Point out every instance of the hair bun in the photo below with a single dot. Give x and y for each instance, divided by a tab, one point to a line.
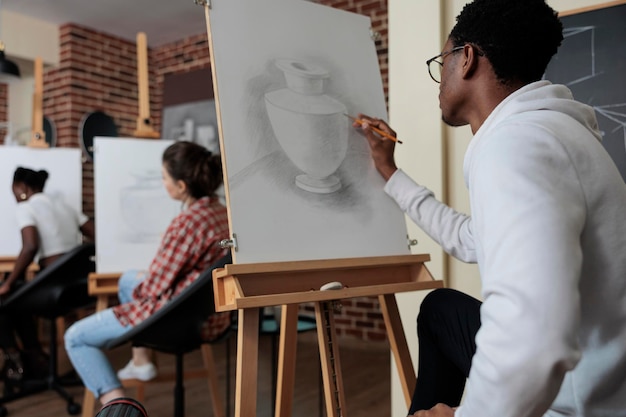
43	174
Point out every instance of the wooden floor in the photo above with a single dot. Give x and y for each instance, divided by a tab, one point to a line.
365	367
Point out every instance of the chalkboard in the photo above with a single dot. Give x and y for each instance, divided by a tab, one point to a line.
592	63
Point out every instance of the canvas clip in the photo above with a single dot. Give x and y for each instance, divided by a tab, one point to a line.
229	243
203	3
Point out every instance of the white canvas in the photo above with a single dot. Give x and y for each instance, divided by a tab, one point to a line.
133	209
65	181
300	180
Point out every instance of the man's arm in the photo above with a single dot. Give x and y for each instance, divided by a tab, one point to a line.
30	246
449	228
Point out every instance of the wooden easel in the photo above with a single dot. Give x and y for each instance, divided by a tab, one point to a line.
144	126
38	136
250	287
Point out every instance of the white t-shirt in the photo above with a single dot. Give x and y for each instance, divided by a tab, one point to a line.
58	224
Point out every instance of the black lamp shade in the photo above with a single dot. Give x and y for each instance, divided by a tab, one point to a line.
8	67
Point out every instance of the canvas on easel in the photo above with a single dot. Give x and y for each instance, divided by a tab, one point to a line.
65	182
132	209
300	181
306	206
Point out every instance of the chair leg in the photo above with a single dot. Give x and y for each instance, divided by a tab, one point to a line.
179	388
214	390
53	377
227	373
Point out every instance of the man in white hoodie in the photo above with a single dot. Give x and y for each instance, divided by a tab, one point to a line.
548	231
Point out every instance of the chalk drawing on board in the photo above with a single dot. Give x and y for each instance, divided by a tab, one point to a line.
611	117
591	62
133	209
587	65
64	168
300	186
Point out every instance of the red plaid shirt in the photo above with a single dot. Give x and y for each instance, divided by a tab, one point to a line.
190	246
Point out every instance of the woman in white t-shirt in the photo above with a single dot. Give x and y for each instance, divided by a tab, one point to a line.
49	228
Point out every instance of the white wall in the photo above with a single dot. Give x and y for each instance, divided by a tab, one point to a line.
432	154
25	39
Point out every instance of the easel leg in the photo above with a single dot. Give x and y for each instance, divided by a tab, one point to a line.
287	360
329	357
214	385
399	346
89	402
247	362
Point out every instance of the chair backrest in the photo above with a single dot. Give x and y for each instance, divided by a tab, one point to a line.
177	326
59	288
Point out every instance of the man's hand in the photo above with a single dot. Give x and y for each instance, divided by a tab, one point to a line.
381	148
440	410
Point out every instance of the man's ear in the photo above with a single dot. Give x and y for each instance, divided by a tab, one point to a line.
470	60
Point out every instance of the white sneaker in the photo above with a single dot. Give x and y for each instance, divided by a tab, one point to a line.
143	372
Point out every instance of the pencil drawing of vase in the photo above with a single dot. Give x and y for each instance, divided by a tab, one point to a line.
144	207
309	125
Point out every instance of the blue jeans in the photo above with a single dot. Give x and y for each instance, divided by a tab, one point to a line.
85	339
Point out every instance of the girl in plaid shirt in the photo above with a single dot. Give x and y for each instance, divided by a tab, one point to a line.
190	246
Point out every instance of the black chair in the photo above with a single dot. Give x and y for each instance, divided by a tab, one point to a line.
177	329
56	291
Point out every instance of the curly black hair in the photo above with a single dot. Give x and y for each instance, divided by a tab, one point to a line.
36	180
518	37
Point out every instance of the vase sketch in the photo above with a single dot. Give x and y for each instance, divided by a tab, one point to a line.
142	207
309	125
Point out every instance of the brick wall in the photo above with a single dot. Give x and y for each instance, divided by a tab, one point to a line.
97	71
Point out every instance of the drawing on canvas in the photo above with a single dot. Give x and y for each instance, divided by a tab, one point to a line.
301	183
133	209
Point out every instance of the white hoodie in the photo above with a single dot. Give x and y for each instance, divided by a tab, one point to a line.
548	231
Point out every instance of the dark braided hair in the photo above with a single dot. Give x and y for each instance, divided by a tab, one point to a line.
35	180
518	37
197	167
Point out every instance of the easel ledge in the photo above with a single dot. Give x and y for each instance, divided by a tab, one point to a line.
264	284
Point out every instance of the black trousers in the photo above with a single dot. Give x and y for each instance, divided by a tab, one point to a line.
21	325
446	327
24	326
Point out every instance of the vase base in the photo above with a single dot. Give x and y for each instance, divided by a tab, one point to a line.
326	185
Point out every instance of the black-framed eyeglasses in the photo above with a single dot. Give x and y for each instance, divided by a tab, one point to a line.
435	67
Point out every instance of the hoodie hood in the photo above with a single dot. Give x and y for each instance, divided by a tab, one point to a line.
537	96
542	95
